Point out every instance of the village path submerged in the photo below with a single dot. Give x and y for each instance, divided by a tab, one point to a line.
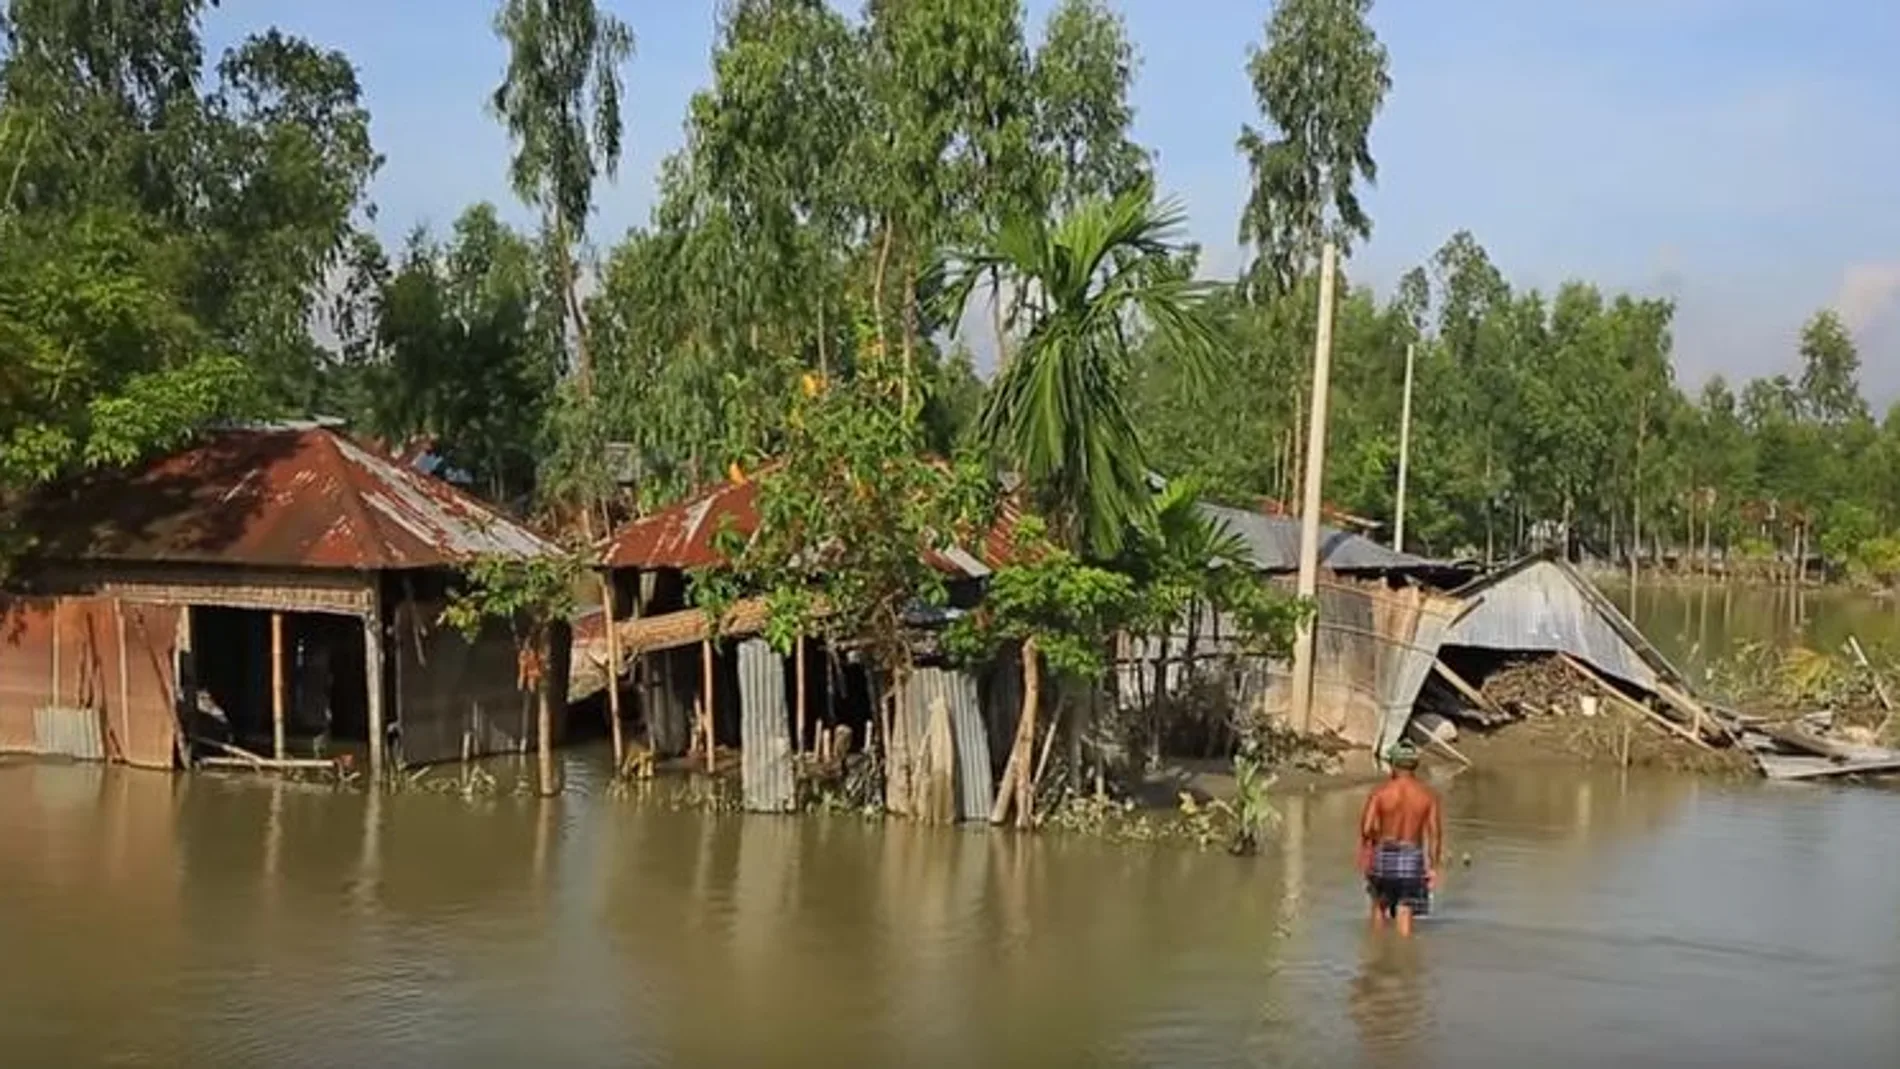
1604	919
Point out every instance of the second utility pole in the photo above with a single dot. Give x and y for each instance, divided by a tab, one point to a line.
1405	452
1310	501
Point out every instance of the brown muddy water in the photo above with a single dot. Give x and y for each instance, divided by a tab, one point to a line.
1695	624
155	921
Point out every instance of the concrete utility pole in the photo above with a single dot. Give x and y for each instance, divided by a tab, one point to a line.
1309	510
1405	453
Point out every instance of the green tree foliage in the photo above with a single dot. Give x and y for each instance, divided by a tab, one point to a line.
165	231
1058	412
461	342
1319	81
560	101
1540	421
1080	77
854	519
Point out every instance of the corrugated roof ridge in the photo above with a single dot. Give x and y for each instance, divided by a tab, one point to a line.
368	530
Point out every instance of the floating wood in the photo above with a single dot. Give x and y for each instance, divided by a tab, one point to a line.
238	757
1783	767
270	764
1626	701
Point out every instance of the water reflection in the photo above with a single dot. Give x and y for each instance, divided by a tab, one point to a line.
1698	625
229	922
1390	1000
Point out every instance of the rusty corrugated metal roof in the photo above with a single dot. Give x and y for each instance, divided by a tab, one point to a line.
682	535
300	496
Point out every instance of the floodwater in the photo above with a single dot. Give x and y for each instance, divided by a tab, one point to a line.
1697	624
153	921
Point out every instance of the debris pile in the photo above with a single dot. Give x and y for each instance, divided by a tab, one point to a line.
1553	706
1539	686
1815	746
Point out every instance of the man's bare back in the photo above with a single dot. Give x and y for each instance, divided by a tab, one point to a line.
1402	810
1401	843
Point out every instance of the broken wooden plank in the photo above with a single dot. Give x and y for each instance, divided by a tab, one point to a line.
1783	767
1412	727
1616	695
1471	693
1794	738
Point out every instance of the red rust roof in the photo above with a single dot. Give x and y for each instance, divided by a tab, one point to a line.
682	536
295	496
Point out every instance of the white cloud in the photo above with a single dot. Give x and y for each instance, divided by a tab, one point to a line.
1868	293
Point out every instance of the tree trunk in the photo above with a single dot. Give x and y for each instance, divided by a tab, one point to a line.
877	285
996	323
910	339
1709	536
1032	698
824	352
1016	773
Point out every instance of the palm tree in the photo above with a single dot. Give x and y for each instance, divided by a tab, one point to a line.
1083	286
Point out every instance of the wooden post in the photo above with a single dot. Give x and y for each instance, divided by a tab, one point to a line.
125	686
613	672
544	715
57	603
706	702
1310	504
1405	452
277	685
373	684
798	740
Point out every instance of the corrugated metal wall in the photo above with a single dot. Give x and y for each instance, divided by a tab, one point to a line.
1370	659
446	686
975	782
65	688
765	731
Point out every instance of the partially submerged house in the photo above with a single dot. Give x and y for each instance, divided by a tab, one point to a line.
1380	615
696	693
1542	605
288	574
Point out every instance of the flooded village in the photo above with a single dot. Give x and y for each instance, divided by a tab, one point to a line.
272	599
940	533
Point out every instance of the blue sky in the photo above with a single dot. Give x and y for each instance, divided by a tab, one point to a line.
1741	156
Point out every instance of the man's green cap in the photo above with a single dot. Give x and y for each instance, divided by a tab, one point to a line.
1402	754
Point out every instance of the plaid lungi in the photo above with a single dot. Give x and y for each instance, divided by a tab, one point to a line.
1397	877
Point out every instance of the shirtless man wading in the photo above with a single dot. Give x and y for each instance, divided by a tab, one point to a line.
1401	842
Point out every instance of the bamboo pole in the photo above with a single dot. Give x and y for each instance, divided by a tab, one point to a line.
1310	505
706	702
798	684
277	685
125	686
613	672
1627	702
